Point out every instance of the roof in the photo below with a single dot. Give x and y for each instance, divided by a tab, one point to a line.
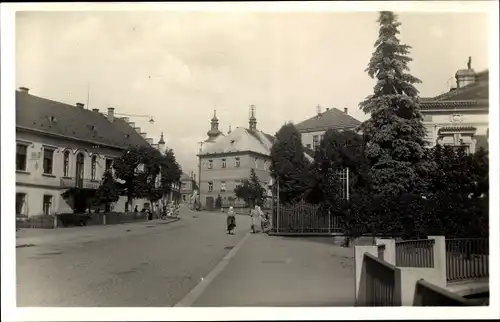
330	119
41	114
185	177
242	139
472	95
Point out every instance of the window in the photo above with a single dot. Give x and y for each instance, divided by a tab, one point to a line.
47	204
223	164
222	186
315	141
237	162
48	159
308	146
20	198
265	165
66	164
21	157
238	183
210	164
109	164
210	186
256	163
94	167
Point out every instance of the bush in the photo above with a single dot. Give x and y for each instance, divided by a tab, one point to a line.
73	219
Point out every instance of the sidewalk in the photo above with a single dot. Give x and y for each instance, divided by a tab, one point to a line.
276	271
34	236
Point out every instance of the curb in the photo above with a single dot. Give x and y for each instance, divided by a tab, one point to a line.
198	290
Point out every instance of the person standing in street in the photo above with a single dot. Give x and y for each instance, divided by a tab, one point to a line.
254	215
231	221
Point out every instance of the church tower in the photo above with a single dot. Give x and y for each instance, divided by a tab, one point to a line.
214	127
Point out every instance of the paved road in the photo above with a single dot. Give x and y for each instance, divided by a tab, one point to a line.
144	265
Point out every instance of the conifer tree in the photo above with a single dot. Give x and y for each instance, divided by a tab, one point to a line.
289	166
394	134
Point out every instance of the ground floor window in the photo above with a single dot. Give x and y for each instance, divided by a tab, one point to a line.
47	204
20	200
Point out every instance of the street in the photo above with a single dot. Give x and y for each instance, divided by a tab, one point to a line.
136	265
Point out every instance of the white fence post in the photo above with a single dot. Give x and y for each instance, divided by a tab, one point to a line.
439	253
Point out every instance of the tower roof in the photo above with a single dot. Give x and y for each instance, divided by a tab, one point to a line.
161	139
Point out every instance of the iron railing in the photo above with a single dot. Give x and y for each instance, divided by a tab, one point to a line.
415	253
381	251
305	218
67	182
380	282
467	258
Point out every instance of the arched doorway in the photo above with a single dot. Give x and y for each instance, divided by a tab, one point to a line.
80	162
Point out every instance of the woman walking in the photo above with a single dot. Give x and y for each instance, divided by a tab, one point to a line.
255	215
231	221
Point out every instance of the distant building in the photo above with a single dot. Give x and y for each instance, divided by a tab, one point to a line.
460	116
313	129
60	146
186	187
227	159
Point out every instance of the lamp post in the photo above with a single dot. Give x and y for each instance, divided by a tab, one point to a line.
199	172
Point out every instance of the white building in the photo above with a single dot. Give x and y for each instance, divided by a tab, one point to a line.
59	146
460	116
313	129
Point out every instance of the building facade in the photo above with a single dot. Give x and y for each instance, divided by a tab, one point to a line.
187	187
60	146
313	129
460	116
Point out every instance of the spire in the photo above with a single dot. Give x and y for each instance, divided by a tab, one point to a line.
252	121
229	131
214	127
161	139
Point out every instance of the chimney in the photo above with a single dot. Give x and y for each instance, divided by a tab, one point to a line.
138	130
111	114
150	141
327	108
80	105
144	135
131	124
95	110
345	110
318	110
24	89
467	76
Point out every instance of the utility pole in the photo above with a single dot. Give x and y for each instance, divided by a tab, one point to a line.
199	171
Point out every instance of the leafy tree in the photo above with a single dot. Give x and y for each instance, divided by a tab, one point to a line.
289	167
170	171
394	133
127	169
251	191
79	199
108	192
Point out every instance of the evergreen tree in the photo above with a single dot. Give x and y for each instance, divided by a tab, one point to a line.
289	167
394	133
108	192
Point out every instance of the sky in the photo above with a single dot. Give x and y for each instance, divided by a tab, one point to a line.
179	66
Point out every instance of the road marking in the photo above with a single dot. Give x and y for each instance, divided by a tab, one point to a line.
196	292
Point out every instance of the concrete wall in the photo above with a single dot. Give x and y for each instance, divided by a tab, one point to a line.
408	276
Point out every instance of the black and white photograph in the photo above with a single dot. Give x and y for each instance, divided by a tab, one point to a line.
249	157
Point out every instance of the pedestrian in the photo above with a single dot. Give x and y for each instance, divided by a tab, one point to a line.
254	215
231	221
136	210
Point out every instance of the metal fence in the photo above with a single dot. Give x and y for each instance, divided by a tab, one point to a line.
467	258
380	282
305	218
415	253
